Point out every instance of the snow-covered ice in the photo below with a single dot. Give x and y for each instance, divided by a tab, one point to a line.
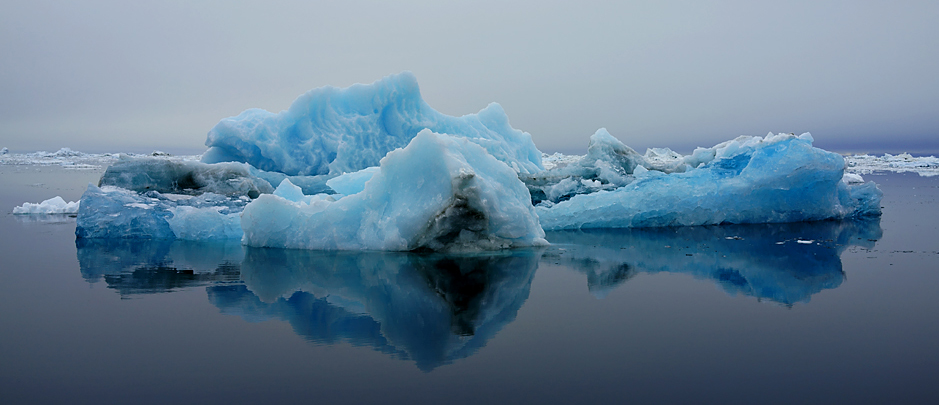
55	205
926	166
72	159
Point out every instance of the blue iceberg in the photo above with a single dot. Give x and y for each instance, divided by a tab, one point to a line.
373	167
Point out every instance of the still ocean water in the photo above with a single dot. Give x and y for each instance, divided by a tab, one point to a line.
792	313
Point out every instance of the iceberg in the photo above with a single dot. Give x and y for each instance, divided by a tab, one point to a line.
54	205
439	193
333	131
373	167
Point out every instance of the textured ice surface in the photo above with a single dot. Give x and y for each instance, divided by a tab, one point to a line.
352	183
184	177
779	178
926	166
332	131
72	159
55	205
113	212
440	192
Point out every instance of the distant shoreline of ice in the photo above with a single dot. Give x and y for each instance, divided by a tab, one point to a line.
926	166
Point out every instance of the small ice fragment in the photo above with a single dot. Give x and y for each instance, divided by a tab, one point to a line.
805	242
55	205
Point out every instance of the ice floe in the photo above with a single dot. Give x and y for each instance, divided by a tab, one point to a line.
54	205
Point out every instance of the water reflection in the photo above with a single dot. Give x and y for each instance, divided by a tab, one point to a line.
785	263
433	308
154	266
429	308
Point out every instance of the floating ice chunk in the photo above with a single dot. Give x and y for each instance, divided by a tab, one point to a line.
440	193
851	178
779	178
54	205
114	212
4	151
165	176
352	183
331	130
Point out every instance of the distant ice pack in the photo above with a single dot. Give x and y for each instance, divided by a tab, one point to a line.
373	167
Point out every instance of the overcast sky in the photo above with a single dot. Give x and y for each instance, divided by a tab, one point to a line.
142	75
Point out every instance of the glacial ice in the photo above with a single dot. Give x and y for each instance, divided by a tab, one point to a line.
114	212
778	178
373	167
333	131
192	178
54	205
438	193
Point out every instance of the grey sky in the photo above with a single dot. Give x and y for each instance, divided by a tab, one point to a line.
117	75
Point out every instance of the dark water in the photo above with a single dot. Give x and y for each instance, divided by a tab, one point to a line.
792	313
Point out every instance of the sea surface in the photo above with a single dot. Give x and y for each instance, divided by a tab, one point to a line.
822	312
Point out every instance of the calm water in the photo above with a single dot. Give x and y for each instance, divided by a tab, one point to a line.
821	312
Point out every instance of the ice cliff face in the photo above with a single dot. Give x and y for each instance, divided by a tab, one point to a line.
438	193
332	131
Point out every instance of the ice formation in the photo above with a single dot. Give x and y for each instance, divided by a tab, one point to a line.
778	178
114	212
334	131
373	167
55	205
192	178
926	166
439	193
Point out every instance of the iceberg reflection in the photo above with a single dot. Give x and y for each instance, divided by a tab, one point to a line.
429	308
785	263
153	266
436	308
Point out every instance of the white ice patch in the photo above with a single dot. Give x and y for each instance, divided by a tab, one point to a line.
54	205
926	166
72	159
